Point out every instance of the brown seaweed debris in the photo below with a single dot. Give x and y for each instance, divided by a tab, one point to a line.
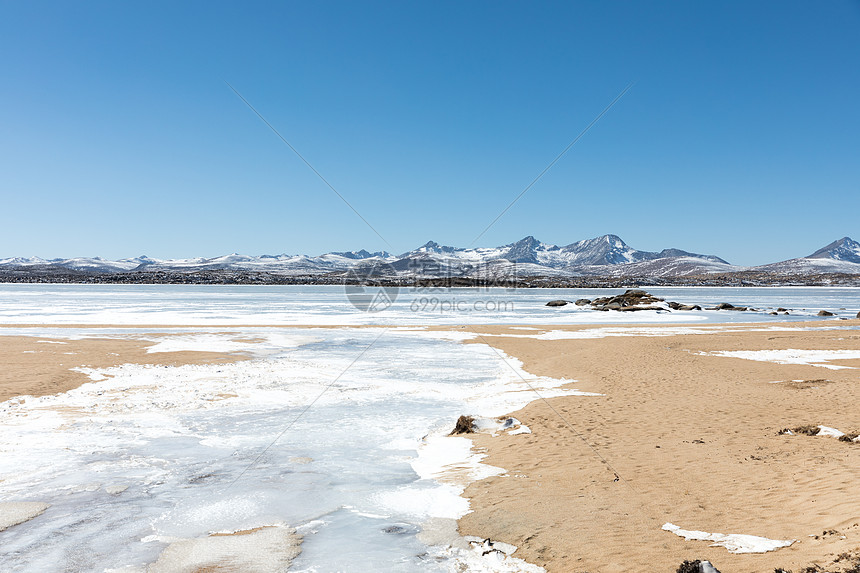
807	384
805	430
846	563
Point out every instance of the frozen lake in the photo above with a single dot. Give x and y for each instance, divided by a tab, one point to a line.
331	305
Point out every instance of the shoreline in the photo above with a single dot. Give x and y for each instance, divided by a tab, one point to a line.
35	358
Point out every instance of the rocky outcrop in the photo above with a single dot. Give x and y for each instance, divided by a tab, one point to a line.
636	299
631	298
630	301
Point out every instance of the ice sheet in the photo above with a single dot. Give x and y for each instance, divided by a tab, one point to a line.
152	452
329	305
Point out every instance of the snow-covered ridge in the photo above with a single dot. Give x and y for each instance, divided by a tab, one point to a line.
607	255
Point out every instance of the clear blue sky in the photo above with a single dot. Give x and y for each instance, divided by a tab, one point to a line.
119	137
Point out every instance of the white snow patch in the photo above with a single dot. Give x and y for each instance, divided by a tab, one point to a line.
229	343
495	425
485	556
791	356
734	542
829	432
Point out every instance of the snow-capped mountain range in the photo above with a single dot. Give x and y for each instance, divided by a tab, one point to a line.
606	255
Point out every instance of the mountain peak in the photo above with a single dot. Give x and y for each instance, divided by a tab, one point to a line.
432	247
523	251
361	254
602	250
613	239
844	249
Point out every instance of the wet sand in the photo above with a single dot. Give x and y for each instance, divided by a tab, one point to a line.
676	437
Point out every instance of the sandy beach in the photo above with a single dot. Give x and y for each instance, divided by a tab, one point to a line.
679	436
38	366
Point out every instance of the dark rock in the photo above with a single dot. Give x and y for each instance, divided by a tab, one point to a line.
582	302
780	309
697	566
740	308
630	298
723	306
825	313
465	425
858	314
679	306
774	313
557	303
399	529
634	308
636	292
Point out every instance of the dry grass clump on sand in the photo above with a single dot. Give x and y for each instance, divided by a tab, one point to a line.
809	430
848	562
807	384
812	430
464	425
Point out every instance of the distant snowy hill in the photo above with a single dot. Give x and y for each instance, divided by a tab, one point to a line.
533	257
842	256
606	255
94	264
845	249
280	264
